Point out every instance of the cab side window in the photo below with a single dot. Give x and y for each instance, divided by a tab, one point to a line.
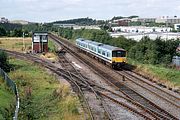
114	54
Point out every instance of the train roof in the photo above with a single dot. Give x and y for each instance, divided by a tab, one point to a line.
105	46
109	47
89	41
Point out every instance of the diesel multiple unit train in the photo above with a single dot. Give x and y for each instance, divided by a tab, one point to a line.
114	56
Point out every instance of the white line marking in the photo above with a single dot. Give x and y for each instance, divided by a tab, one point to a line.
77	65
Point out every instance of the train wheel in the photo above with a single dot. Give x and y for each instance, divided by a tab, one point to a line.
113	66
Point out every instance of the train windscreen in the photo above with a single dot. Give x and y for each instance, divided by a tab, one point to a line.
119	53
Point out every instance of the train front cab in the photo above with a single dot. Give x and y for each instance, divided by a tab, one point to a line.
118	58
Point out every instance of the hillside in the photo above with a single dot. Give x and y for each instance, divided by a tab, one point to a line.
80	21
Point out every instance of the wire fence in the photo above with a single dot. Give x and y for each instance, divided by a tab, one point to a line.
176	60
11	84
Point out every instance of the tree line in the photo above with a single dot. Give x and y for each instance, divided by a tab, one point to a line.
81	21
17	30
156	51
10	30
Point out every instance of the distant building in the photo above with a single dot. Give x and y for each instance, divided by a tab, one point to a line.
141	29
177	26
4	20
87	27
125	21
122	22
176	61
143	20
74	26
168	20
64	25
153	35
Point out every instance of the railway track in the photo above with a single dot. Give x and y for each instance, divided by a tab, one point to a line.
114	80
148	80
72	76
98	90
58	71
81	82
131	76
70	73
129	104
69	69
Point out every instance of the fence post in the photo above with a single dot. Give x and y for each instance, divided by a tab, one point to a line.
10	83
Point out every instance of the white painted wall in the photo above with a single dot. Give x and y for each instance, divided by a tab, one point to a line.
139	36
141	29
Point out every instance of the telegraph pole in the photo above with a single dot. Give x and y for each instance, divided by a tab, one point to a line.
23	42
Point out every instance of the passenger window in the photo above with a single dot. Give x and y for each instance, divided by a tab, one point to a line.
94	49
103	53
99	51
108	55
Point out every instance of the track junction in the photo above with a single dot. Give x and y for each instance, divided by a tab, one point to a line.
122	82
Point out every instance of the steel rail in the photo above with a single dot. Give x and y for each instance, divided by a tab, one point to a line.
67	45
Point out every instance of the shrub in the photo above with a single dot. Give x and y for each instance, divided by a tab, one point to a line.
4	64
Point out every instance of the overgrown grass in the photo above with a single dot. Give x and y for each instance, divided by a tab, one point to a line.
15	44
42	96
51	46
7	101
168	76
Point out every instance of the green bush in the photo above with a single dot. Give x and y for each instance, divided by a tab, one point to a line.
4	64
2	31
154	51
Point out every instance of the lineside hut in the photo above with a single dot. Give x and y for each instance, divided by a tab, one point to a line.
40	42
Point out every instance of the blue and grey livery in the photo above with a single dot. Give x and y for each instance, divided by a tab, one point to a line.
109	54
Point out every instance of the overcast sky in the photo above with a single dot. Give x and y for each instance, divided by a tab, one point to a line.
52	10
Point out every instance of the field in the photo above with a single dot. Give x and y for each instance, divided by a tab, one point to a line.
15	44
7	101
168	76
42	96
